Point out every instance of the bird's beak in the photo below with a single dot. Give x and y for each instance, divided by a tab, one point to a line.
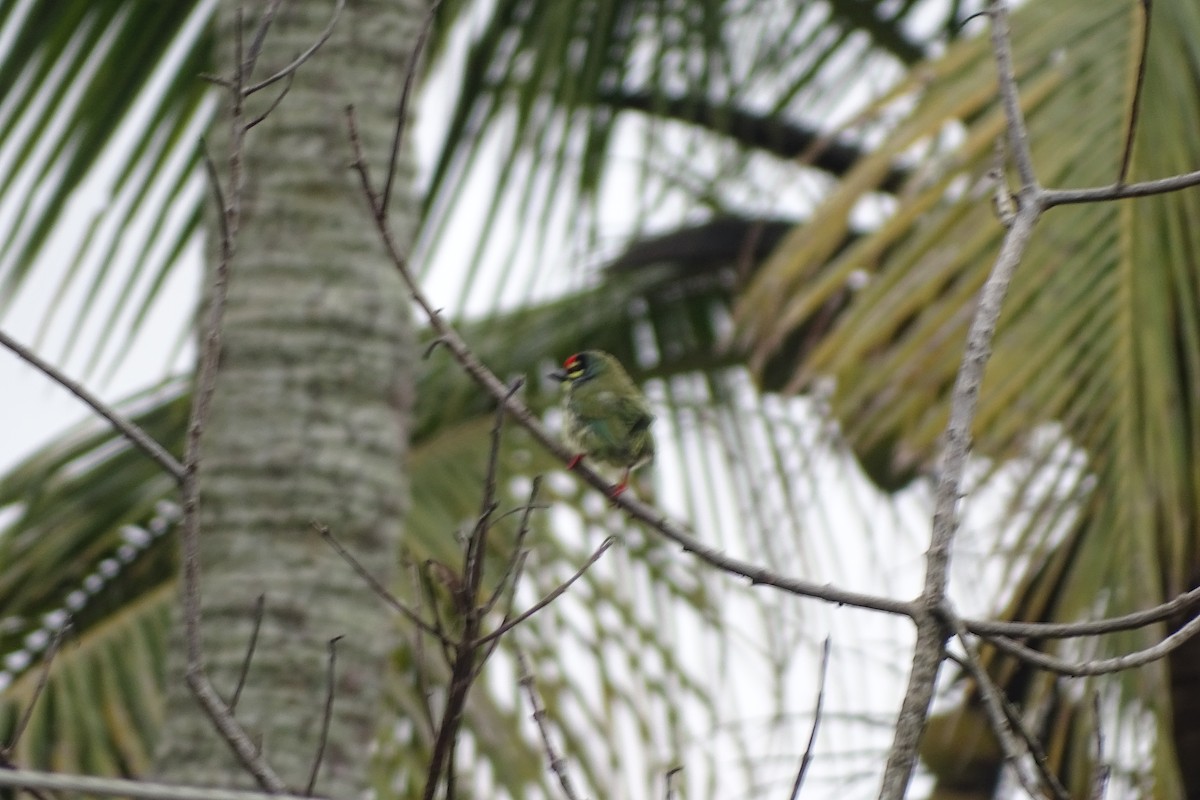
559	375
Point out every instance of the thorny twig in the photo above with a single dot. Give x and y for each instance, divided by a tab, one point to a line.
557	764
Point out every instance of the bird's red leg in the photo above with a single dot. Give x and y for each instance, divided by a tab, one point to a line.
574	462
620	487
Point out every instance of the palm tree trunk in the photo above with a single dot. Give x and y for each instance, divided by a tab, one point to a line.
310	417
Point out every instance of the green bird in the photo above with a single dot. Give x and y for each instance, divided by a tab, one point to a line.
607	417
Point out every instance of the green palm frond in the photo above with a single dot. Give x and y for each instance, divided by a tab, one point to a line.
98	104
688	92
1098	342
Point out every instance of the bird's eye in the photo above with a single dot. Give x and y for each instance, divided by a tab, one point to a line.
574	367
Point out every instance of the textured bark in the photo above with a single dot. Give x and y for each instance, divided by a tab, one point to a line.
310	416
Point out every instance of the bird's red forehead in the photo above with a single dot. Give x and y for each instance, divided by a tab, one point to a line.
571	361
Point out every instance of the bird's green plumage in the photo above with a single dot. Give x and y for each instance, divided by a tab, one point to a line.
607	418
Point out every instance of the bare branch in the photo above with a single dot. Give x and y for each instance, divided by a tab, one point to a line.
556	593
1005	720
298	62
956	442
477	545
462	675
1135	106
259	606
7	763
136	436
1101	666
1018	135
956	445
287	87
233	733
410	74
1063	630
419	663
511	575
260	38
557	763
229	217
669	780
1102	771
1117	191
7	751
378	587
807	758
327	717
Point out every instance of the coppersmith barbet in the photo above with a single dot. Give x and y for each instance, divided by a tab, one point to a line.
606	417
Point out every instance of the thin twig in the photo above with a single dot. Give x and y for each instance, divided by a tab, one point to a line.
410	74
553	595
477	545
1064	630
43	678
327	716
419	658
431	347
511	576
1005	721
377	587
1062	197
136	436
260	605
260	38
462	675
233	733
807	758
1135	107
1000	727
489	648
439	627
557	764
1102	771
1018	134
1101	666
287	87
669	780
303	57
